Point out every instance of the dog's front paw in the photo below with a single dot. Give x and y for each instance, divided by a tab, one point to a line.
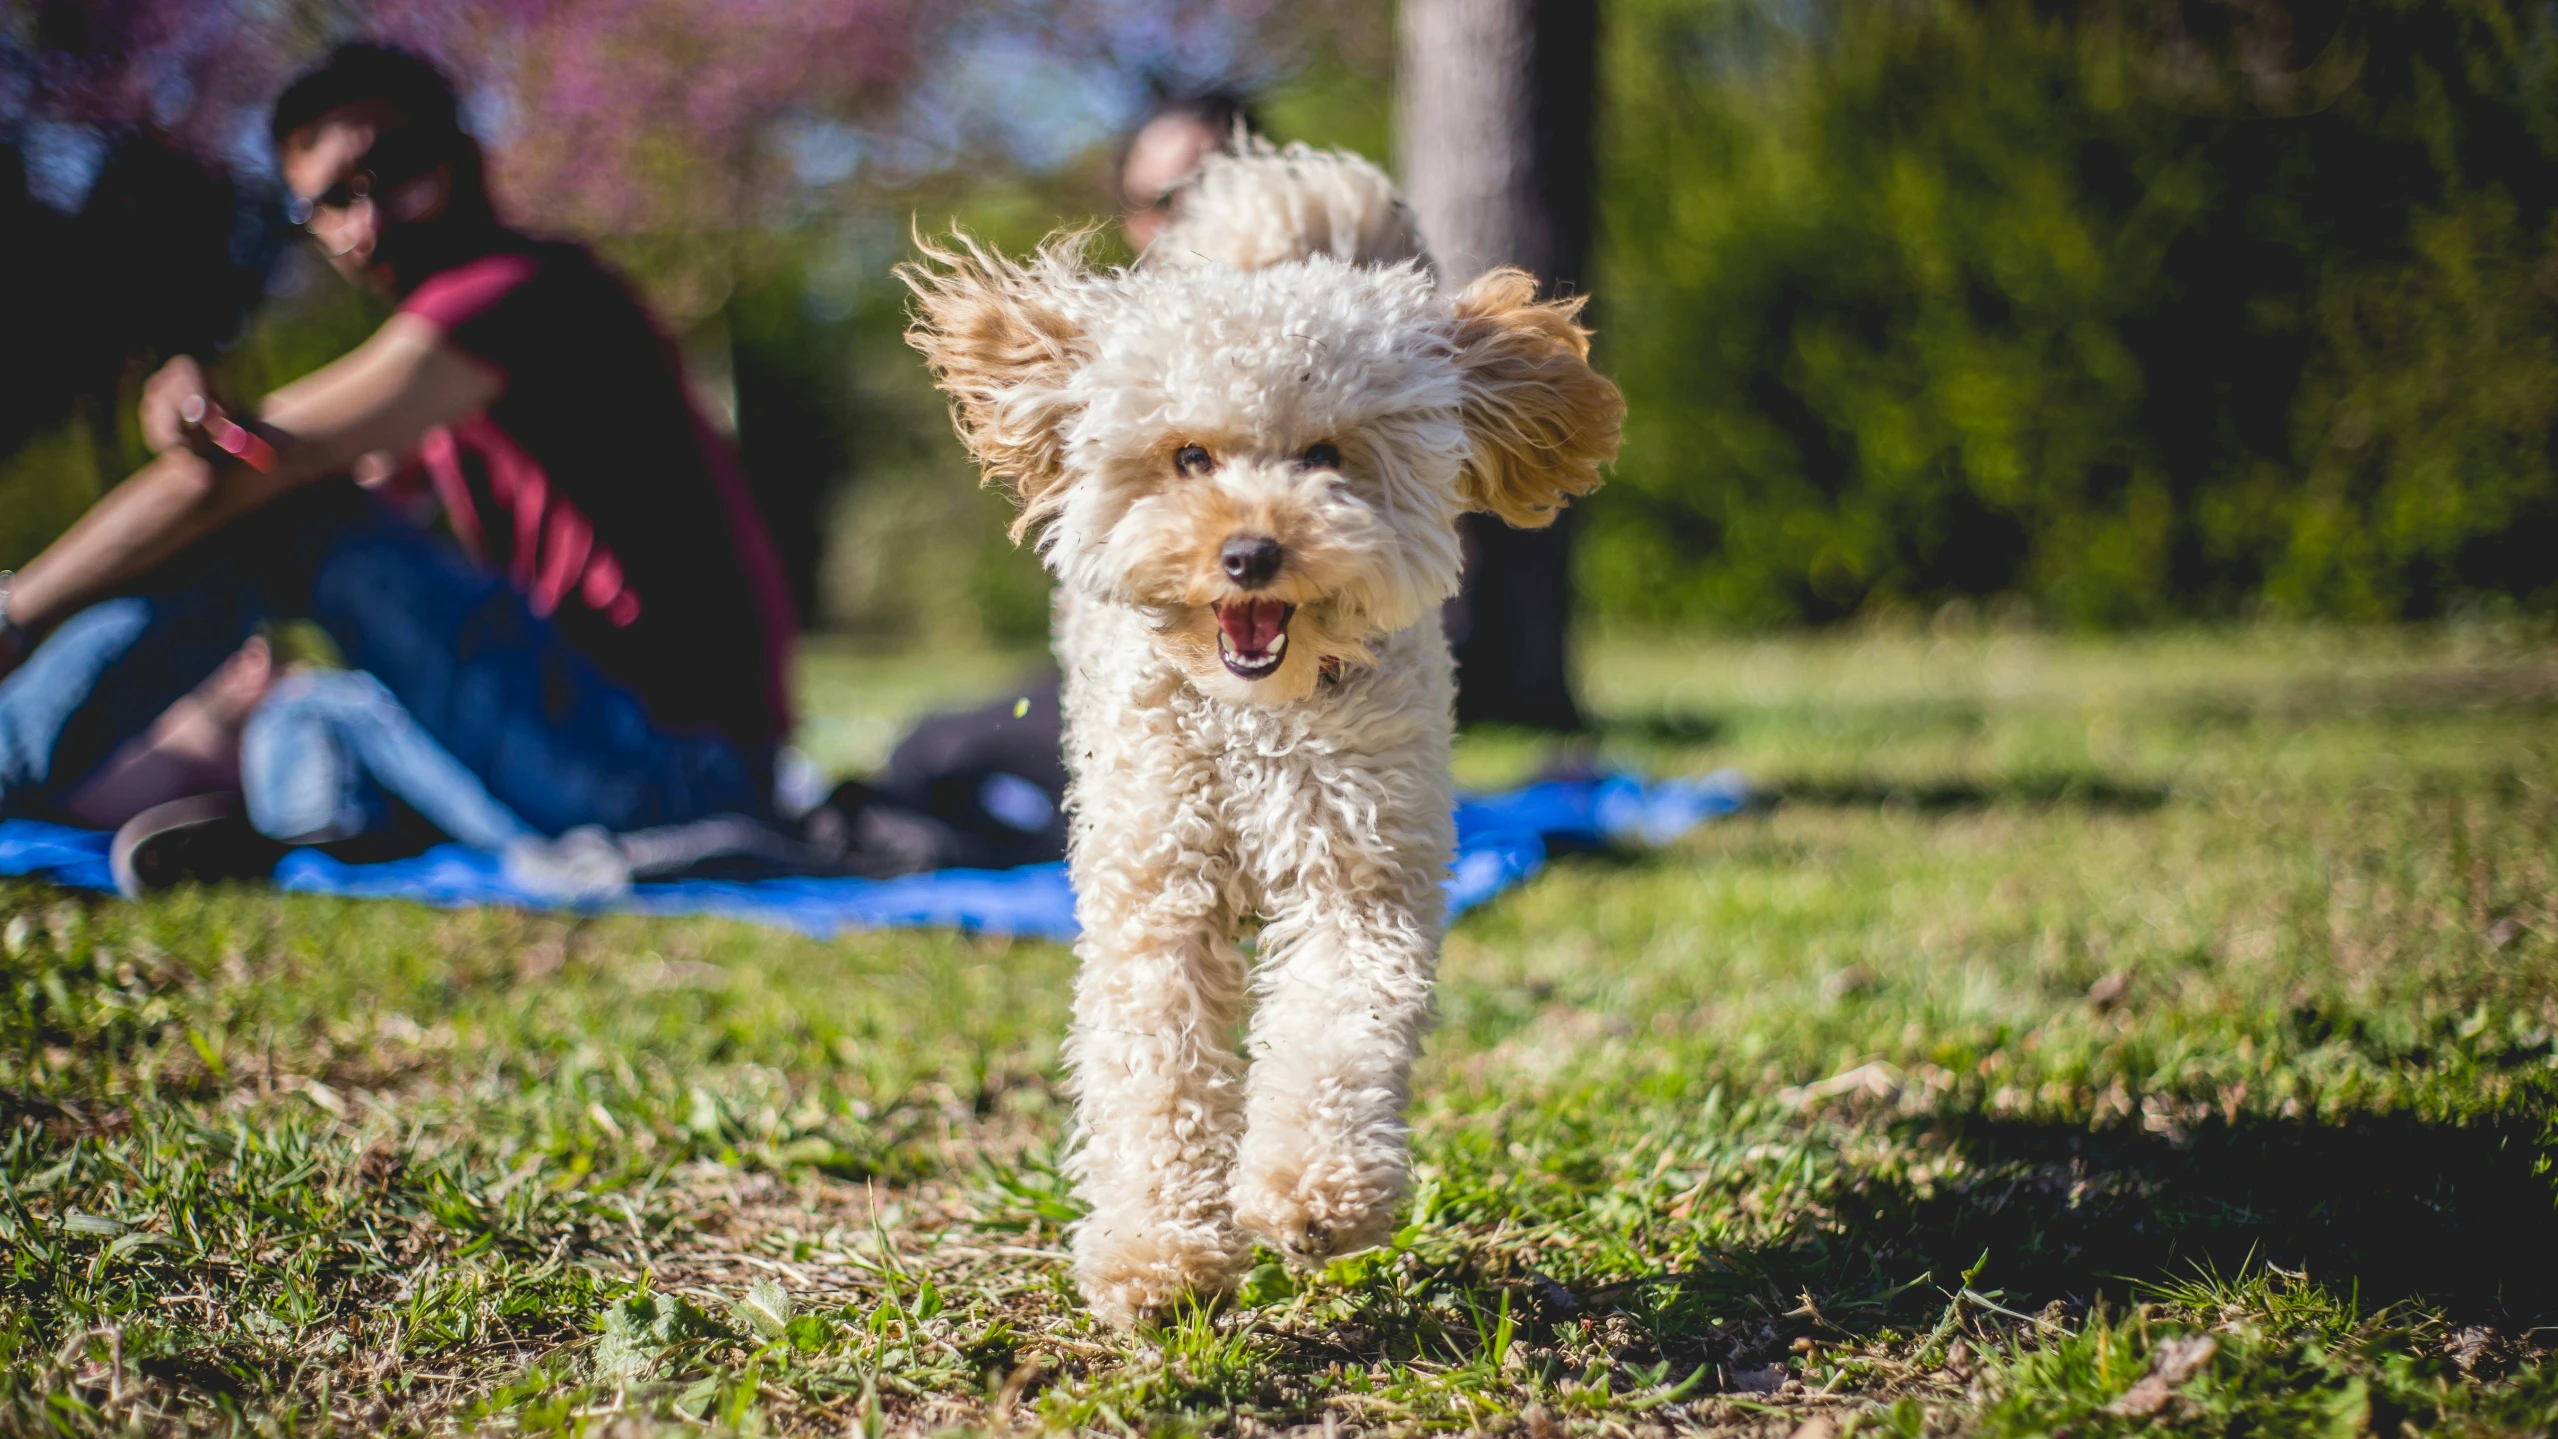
1310	1216
1142	1277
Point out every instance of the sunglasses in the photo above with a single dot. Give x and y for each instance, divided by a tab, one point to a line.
341	196
388	165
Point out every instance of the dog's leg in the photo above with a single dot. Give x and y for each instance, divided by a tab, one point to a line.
1158	1081
1344	996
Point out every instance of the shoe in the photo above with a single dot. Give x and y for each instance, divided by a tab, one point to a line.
583	866
206	838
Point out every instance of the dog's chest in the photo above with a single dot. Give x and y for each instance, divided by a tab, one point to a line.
1246	753
1304	798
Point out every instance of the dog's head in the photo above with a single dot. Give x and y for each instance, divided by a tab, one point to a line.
1269	461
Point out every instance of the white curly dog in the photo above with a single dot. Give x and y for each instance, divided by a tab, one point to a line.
1245	458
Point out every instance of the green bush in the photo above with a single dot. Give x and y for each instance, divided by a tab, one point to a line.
44	485
1944	299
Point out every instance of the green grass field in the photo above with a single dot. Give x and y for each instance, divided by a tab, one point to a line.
2086	1036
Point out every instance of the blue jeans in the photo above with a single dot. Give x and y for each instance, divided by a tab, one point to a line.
326	748
482	679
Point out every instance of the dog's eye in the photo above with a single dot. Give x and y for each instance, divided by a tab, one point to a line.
1193	460
1323	457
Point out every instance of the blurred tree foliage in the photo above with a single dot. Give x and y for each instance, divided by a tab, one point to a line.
2138	310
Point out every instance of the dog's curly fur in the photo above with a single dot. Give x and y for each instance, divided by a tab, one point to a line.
1280	367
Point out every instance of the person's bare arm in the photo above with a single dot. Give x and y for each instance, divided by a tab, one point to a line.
383	395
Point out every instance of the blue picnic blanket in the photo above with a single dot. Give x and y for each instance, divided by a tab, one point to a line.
1501	840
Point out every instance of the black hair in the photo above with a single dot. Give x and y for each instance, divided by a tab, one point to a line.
361	73
429	132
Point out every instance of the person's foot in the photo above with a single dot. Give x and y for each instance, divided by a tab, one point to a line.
206	838
193	748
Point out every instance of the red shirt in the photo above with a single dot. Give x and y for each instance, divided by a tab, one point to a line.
596	487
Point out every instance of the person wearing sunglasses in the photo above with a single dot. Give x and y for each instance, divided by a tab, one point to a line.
600	642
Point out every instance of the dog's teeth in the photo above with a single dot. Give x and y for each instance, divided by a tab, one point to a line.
1260	663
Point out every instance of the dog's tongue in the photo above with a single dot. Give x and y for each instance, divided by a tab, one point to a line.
1251	625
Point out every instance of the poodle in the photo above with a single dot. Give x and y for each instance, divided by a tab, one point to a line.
1244	458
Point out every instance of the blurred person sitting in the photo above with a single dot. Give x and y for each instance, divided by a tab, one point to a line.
605	648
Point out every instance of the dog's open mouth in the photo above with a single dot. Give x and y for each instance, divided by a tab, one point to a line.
1252	636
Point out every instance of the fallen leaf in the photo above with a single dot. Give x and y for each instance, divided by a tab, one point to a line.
2467	1346
765	1309
2175	1361
1873	1078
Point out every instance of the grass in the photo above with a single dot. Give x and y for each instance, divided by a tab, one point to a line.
2069	1005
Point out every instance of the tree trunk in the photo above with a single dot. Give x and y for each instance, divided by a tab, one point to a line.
1494	103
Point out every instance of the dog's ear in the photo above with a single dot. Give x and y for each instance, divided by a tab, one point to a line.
1003	350
1540	419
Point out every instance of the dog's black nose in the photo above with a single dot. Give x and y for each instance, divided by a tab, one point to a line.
1251	560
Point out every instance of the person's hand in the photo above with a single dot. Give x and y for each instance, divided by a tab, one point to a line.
179	411
172	391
